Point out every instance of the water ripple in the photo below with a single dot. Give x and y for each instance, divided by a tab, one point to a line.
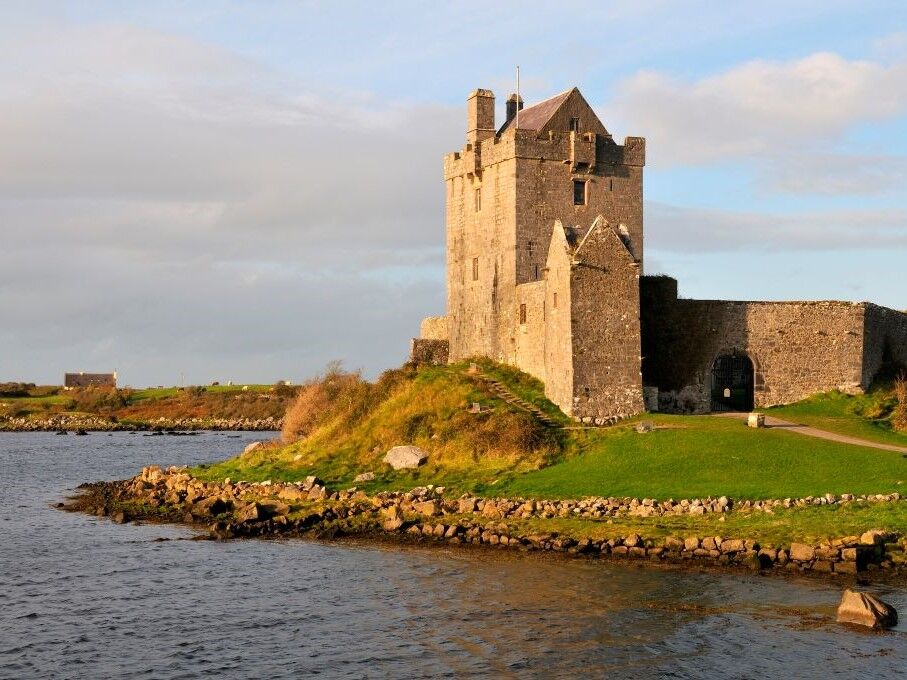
82	597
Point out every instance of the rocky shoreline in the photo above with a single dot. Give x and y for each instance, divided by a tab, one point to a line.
85	423
231	510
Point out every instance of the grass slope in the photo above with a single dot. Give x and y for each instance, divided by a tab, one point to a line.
503	452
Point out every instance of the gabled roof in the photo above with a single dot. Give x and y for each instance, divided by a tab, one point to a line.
534	117
577	236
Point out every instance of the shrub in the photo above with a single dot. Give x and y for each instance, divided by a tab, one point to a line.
98	399
899	414
319	398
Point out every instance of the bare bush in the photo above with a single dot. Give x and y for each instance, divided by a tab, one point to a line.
899	414
329	394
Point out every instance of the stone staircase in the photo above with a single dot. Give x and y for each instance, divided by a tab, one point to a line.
501	391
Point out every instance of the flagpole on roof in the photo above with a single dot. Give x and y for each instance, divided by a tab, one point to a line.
517	98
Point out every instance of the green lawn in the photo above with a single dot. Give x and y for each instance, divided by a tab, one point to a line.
854	416
691	456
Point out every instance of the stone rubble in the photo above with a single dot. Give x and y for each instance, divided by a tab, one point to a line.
238	509
74	422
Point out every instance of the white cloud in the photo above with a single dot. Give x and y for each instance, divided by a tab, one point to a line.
187	206
759	108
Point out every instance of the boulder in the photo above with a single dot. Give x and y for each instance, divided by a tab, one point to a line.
292	493
249	513
311	481
427	508
874	537
467	505
272	508
209	507
252	447
365	477
317	493
802	552
863	609
405	457
644	426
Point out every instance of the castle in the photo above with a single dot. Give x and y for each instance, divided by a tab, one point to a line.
545	272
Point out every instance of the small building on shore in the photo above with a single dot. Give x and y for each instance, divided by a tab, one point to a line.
83	379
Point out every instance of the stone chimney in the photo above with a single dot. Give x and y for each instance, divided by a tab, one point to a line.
514	104
479	116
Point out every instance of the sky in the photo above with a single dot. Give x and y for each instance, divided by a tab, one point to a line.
242	191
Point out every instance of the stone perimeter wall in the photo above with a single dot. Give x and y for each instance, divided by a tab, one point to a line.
884	339
797	348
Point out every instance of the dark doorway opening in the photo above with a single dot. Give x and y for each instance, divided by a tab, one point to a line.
732	383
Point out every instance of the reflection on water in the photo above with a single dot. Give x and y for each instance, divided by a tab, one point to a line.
85	598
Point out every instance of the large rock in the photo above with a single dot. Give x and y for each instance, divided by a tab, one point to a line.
211	507
365	477
251	448
863	609
427	508
802	552
405	457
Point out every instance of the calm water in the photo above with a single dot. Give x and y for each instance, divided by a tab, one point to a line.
82	597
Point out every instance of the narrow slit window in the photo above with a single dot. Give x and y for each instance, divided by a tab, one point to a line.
554	301
536	277
522	313
574	125
579	192
475	269
478	200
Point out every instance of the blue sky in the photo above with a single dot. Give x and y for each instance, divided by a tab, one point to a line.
248	190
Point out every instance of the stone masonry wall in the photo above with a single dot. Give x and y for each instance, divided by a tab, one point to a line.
434	352
884	339
544	185
797	348
558	327
433	328
607	382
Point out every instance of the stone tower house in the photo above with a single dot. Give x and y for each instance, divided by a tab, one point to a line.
544	226
517	266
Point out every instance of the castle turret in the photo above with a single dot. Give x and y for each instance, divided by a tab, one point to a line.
479	116
514	104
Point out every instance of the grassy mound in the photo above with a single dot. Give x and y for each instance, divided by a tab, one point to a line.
354	423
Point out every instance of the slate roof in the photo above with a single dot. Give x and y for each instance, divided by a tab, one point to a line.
534	117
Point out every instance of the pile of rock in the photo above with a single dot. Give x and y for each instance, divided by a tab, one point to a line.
269	508
74	422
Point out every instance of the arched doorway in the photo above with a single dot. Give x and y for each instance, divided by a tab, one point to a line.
732	383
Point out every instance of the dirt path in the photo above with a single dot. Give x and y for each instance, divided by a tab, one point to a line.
772	422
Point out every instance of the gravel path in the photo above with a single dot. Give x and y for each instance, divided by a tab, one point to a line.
772	422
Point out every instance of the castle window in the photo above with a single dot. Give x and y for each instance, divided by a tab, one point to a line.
475	269
522	313
478	200
579	192
536	277
555	301
574	125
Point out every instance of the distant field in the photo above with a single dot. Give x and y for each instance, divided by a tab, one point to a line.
213	402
